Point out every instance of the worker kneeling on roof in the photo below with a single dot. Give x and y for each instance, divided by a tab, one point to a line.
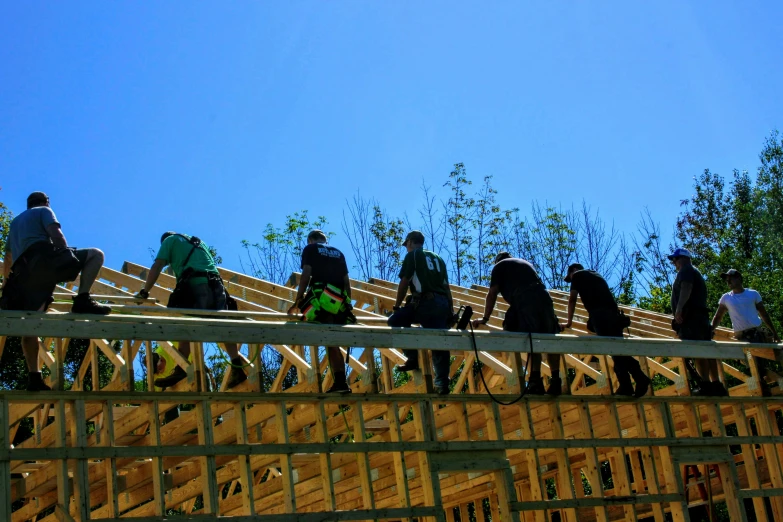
530	310
37	257
324	297
605	319
430	303
199	286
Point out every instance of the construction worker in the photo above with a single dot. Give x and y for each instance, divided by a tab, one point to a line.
530	310
692	321
606	320
430	303
747	313
199	286
324	296
37	257
164	365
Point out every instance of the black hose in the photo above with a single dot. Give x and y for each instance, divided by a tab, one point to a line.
522	379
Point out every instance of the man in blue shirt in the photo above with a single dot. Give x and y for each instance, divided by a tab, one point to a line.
37	257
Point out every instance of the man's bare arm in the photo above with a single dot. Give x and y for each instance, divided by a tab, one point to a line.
6	265
685	294
571	306
153	274
56	233
765	317
347	286
402	290
719	313
304	281
489	305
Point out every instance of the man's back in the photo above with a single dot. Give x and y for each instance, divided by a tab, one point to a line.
698	298
513	274
327	263
176	248
593	290
29	228
426	272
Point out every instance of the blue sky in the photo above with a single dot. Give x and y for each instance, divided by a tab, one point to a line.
215	118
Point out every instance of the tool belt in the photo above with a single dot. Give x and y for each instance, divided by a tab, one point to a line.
757	334
413	300
324	298
182	295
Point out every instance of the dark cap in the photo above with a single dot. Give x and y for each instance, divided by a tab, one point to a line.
167	234
731	273
573	267
501	256
37	199
414	236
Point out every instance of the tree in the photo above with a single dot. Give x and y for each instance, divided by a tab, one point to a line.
433	224
458	211
554	241
279	252
375	238
487	222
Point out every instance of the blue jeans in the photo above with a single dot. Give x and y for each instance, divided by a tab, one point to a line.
431	313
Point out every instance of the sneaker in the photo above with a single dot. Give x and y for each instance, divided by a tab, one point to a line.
642	385
84	304
167	382
36	383
408	366
625	389
535	387
339	387
555	387
237	377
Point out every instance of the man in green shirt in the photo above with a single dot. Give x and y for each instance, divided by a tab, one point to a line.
430	303
202	288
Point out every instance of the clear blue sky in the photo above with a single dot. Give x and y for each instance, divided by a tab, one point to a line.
215	118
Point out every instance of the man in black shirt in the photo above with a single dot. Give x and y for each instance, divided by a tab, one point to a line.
604	320
692	319
531	310
325	296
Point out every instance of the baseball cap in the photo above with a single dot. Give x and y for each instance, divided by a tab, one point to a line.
414	236
573	267
680	252
731	272
501	256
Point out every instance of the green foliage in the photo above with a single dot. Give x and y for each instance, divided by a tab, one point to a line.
279	252
375	238
737	224
459	211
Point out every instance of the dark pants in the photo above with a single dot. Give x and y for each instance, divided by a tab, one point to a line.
605	322
431	313
531	310
30	286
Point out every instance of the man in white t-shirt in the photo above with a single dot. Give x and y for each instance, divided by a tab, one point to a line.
745	310
747	313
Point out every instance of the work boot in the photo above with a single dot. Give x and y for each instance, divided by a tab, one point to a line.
535	387
339	387
555	387
718	390
625	389
701	390
36	383
237	377
84	304
642	385
408	366
167	382
443	390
